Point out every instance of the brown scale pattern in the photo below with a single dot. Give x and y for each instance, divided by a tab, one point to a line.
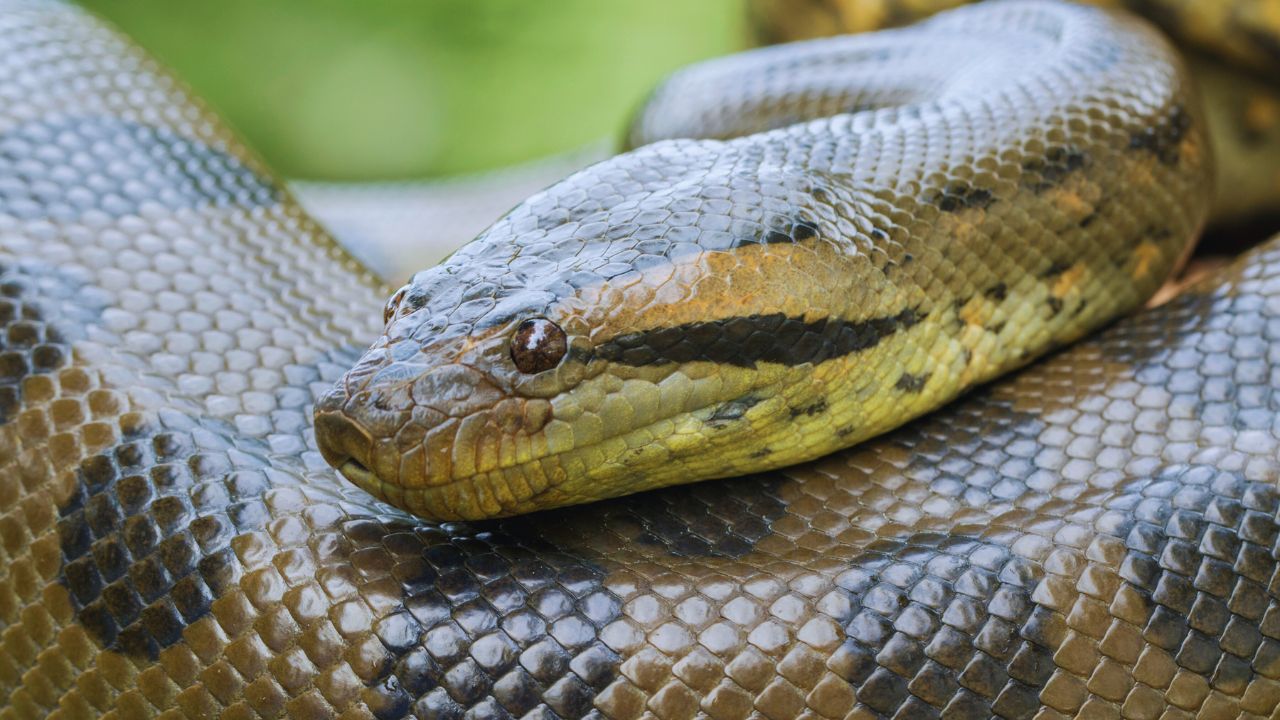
1096	537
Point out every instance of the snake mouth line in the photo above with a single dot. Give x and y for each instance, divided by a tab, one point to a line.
356	472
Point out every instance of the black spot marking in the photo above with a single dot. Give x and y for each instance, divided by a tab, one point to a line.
801	229
1056	268
746	340
1049	171
1055	306
773	237
844	431
912	383
995	329
1165	138
176	172
733	410
960	196
761	453
809	410
997	292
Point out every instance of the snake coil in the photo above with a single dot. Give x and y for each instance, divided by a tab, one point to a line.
1093	537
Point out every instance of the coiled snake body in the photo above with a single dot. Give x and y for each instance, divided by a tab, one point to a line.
1093	537
717	308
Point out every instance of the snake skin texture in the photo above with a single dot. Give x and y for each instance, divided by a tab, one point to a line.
1247	32
1095	537
1015	175
1233	52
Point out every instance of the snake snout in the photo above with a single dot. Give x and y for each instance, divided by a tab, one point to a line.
344	444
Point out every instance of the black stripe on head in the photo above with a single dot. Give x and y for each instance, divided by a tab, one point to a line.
746	340
1266	43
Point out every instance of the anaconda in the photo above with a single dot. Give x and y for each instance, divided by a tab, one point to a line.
872	225
1094	537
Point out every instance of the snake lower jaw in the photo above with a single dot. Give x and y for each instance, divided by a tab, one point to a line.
345	445
361	476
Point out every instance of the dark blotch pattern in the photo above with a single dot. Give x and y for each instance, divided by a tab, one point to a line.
959	196
144	558
493	621
1053	168
810	410
734	409
1055	269
910	383
799	230
1165	138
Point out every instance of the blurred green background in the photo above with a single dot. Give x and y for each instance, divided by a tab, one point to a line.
390	89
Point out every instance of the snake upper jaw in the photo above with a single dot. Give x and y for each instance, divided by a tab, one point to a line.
343	443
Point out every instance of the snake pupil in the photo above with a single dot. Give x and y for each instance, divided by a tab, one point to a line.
538	345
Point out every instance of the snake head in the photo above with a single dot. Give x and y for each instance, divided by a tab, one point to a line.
457	387
699	309
593	344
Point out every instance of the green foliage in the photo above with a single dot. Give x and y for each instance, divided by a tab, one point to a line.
336	89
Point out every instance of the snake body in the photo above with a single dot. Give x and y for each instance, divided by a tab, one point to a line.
1094	537
1232	48
964	195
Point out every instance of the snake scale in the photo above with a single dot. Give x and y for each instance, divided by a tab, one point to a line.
1093	537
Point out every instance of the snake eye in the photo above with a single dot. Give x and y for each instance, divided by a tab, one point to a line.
393	304
538	345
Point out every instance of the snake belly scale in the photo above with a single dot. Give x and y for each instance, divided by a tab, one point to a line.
1094	537
1018	174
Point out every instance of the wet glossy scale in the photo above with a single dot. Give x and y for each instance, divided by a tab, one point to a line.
1094	537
